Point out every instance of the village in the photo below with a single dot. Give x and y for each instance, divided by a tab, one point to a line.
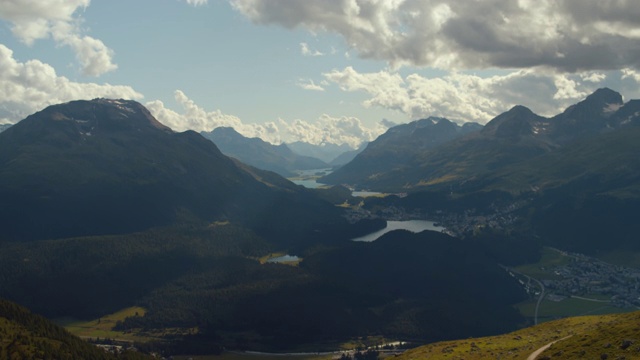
587	277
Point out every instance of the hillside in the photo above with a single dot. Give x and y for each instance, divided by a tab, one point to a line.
588	337
24	335
260	154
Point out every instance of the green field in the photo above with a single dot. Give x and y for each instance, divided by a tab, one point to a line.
542	269
103	326
553	310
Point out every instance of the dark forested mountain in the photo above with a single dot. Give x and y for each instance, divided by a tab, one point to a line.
395	149
107	166
258	153
4	127
511	138
326	152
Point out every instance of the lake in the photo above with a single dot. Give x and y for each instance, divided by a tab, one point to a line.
307	178
414	226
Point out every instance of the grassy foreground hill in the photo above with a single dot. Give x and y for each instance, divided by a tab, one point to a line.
24	335
586	337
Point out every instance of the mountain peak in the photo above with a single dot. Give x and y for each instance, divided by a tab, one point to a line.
516	122
97	115
591	115
227	131
605	95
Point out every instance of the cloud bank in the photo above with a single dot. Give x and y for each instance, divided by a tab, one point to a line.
466	97
326	129
566	35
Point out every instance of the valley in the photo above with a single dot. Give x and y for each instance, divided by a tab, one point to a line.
145	235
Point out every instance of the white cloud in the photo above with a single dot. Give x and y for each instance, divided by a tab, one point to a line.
568	35
33	20
468	97
26	87
306	51
594	77
310	85
197	2
631	74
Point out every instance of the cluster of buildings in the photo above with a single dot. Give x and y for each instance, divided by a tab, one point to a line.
584	276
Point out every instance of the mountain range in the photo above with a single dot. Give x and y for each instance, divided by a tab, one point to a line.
261	154
4	127
404	161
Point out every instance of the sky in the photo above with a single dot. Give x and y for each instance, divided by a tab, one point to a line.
319	71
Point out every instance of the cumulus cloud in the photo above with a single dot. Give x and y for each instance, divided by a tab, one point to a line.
26	87
567	35
328	129
194	117
33	20
631	74
467	97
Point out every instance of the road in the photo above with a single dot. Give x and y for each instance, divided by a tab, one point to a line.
535	354
540	284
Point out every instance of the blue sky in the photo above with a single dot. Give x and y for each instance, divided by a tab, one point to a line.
337	71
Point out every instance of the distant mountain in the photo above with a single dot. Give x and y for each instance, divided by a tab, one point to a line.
4	127
107	167
326	152
513	137
261	154
346	157
396	148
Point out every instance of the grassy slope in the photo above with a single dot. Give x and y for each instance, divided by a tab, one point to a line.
591	336
103	326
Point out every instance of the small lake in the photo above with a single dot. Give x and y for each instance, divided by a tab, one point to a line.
284	259
365	193
415	226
